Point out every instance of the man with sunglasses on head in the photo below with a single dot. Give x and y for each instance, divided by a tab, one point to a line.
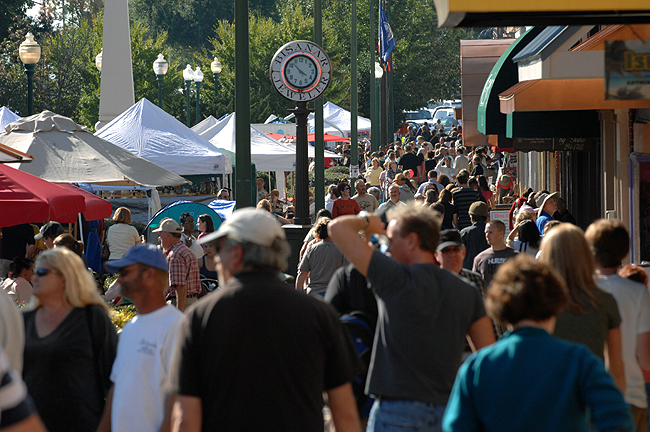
137	399
256	350
425	315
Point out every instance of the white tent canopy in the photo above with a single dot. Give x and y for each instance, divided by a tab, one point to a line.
66	152
204	125
149	132
7	116
338	121
266	153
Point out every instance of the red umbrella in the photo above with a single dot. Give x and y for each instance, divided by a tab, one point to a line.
25	198
96	207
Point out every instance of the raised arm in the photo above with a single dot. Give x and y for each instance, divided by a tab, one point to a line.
344	232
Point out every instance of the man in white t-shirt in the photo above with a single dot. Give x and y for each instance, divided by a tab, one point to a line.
137	399
609	241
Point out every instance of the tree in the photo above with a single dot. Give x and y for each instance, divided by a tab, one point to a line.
144	51
425	61
190	25
12	12
266	37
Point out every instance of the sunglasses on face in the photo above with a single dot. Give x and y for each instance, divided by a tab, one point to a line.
43	271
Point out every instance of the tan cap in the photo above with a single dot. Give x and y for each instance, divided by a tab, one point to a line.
169	225
248	224
479	208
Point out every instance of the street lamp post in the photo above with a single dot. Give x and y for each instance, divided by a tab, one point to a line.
198	79
160	68
376	134
30	53
216	67
188	76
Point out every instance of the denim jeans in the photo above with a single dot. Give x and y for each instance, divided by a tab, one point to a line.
404	415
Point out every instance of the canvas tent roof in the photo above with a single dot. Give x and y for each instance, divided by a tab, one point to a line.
66	152
338	121
151	133
266	153
204	125
7	116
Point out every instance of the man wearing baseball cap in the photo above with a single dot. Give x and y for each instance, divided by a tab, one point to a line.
474	235
49	232
257	349
184	279
451	253
137	399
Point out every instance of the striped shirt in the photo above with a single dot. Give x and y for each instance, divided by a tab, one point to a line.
463	199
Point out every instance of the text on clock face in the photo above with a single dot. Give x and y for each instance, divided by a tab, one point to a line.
300	71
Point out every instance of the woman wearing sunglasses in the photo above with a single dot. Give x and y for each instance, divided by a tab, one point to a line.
70	344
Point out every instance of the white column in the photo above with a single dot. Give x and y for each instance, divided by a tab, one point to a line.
116	94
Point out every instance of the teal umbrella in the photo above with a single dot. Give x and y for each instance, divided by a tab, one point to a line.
175	209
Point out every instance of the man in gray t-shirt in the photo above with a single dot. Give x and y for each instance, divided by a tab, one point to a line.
425	314
487	262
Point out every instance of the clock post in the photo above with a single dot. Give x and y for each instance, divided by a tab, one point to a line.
302	164
300	71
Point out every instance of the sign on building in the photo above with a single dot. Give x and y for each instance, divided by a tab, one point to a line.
627	69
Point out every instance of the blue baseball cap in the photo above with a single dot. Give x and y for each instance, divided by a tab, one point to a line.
145	254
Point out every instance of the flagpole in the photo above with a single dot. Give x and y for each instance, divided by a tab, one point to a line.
354	95
374	134
391	105
387	43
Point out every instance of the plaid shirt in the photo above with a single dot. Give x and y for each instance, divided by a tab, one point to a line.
183	269
476	278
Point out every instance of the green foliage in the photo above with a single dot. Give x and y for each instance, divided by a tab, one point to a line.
266	37
120	315
190	25
11	13
144	51
426	60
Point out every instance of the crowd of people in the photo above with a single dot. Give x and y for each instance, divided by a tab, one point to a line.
411	310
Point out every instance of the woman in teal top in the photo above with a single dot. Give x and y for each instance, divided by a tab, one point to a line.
530	380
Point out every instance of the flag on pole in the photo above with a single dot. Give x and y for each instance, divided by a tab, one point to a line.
386	38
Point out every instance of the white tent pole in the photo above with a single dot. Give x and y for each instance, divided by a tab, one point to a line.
281	184
81	228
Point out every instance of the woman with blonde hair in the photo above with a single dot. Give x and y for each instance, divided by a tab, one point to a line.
122	235
373	173
591	317
70	344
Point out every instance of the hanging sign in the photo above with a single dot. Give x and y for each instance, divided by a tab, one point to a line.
627	69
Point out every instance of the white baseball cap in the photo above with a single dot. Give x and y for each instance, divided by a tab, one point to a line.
169	225
248	224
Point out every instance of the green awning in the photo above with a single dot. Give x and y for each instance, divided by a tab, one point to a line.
490	120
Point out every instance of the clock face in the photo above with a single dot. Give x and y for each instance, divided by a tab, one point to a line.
300	71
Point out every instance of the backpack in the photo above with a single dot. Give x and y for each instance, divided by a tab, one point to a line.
362	336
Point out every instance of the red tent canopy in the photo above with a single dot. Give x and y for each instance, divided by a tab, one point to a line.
280	136
96	207
25	198
327	137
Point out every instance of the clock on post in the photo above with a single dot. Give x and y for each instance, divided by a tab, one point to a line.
301	71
